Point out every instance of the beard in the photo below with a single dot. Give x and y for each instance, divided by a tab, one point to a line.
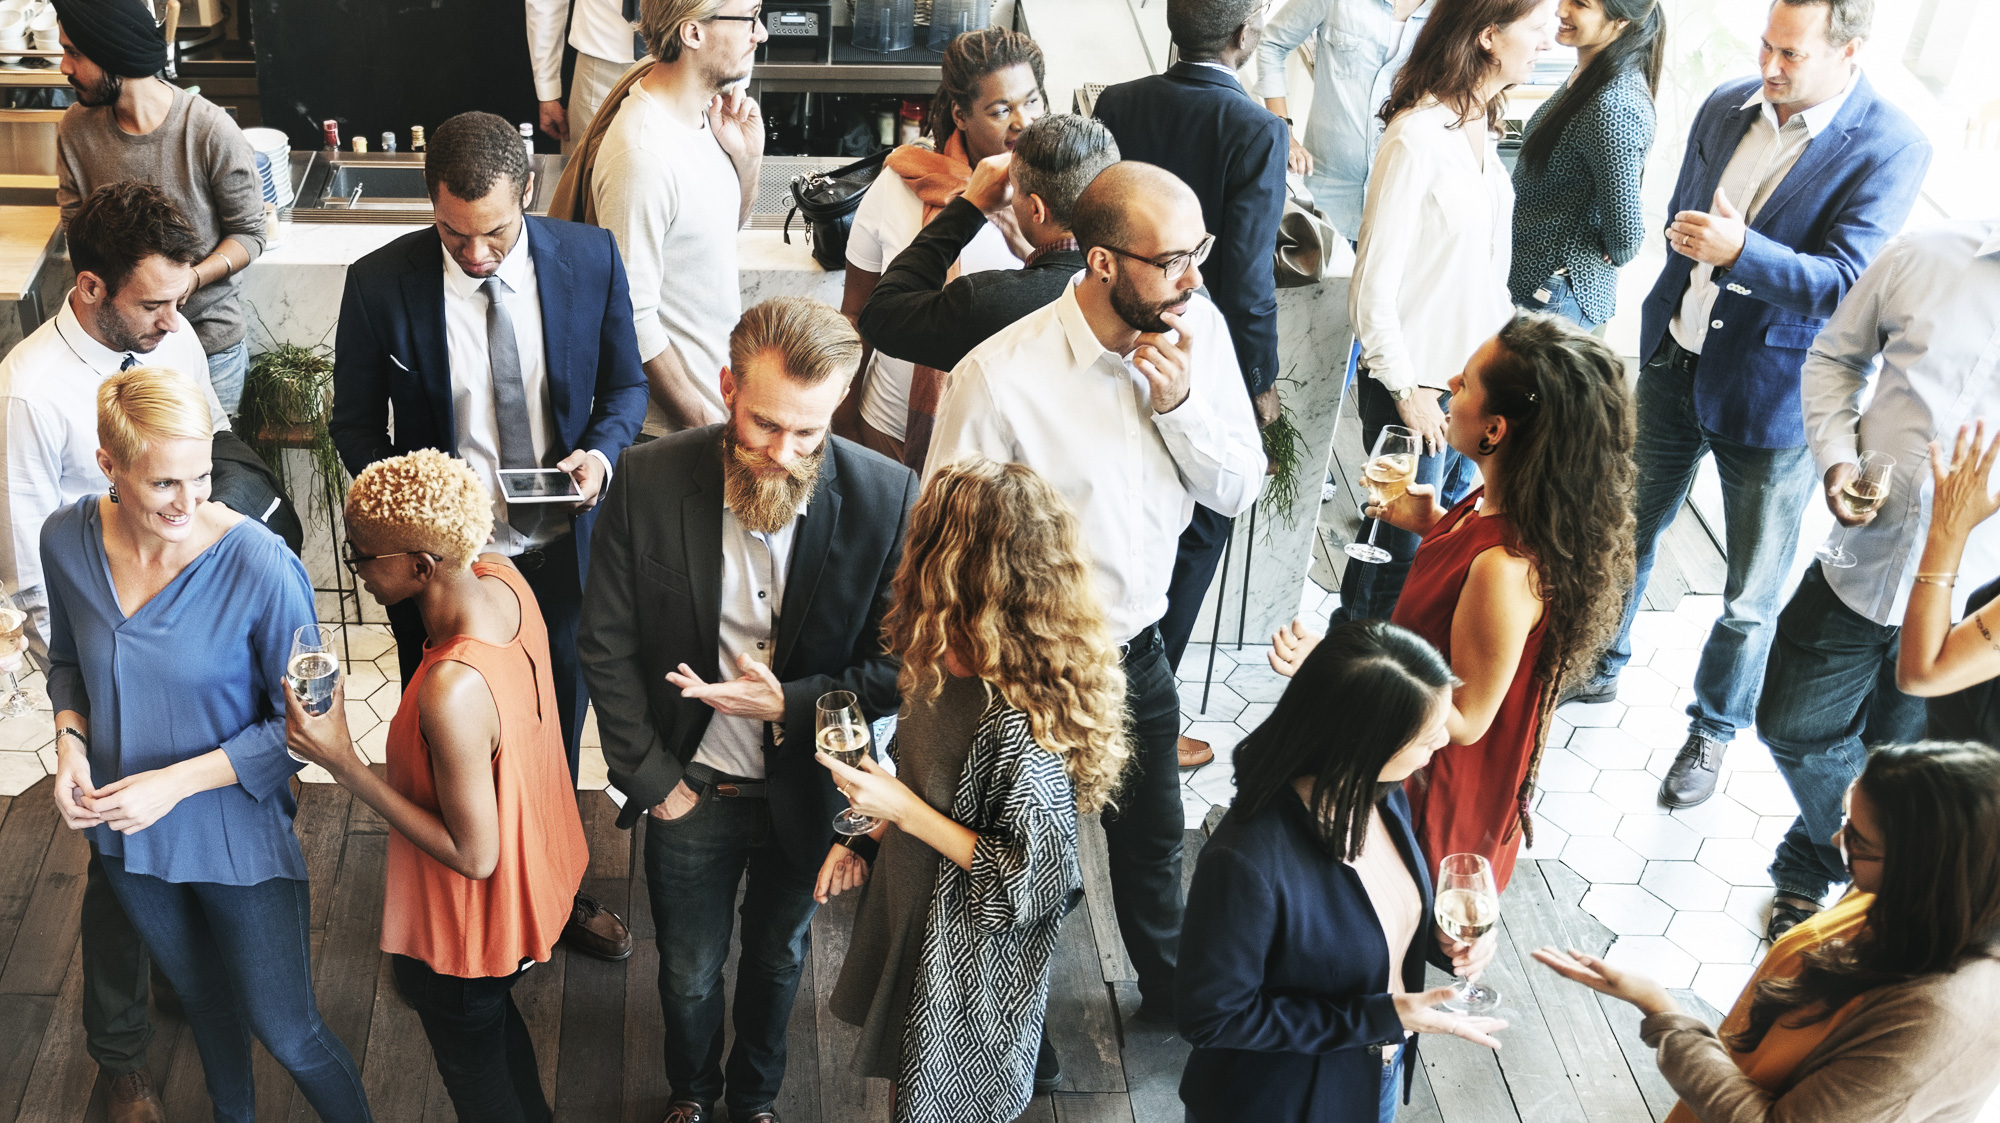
116	334
1139	314
765	504
104	91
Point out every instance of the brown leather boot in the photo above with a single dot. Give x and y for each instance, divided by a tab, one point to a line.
597	931
133	1100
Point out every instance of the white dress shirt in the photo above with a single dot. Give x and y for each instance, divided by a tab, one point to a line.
1760	163
1437	240
475	424
49	385
1045	393
597	28
1929	309
754	566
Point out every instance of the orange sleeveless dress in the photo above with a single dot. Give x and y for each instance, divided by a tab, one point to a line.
1466	801
456	925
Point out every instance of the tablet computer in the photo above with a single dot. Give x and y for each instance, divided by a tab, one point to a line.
538	485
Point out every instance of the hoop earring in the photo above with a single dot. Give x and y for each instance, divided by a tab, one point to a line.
1486	447
114	493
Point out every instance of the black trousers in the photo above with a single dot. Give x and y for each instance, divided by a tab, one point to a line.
116	1029
483	1051
552	574
1144	833
1200	552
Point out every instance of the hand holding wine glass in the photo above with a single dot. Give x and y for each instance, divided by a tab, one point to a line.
841	732
1386	476
312	672
1855	501
1467	908
13	627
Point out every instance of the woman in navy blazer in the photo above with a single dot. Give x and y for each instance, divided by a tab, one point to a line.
1284	985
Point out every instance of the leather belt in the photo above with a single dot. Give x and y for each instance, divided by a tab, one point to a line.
1148	637
725	785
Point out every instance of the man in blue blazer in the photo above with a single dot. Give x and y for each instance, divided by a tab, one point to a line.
506	340
1199	123
1790	185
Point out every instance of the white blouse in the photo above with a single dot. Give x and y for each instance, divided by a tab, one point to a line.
1430	275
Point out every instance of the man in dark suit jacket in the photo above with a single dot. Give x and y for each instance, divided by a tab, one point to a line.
1790	185
1199	123
740	572
514	349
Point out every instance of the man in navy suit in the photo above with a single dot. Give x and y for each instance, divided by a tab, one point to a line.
1790	186
1199	123
505	340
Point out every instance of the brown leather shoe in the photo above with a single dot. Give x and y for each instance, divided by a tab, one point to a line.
685	1111
1193	753
597	931
131	1099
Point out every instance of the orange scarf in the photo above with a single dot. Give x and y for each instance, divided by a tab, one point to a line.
1775	1058
935	177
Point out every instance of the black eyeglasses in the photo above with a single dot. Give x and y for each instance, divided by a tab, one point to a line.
353	561
753	17
1175	265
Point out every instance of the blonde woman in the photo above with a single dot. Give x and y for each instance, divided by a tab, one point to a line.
1012	721
170	619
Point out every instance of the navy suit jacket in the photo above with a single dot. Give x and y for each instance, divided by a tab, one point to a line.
1283	980
1198	123
1849	193
390	349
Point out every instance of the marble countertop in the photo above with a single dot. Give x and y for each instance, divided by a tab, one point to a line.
332	243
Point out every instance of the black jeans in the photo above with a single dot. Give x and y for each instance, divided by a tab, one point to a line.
552	574
482	1046
1368	591
1144	833
1200	552
116	1030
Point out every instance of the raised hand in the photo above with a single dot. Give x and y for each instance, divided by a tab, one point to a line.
1959	499
1712	237
1289	647
738	125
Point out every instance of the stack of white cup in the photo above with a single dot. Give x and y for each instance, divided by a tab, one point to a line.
42	27
13	29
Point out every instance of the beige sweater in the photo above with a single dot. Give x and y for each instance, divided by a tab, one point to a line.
1921	1052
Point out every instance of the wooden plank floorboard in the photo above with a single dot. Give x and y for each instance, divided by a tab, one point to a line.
321	825
400	1060
1154	1055
346	969
798	1097
843	1096
1092	1107
64	1074
1081	1024
644	1039
1531	1059
24	1018
48	929
1464	1078
1423	1105
31	824
1113	963
539	997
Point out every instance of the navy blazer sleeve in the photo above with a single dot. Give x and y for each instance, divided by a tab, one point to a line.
1242	284
361	371
618	408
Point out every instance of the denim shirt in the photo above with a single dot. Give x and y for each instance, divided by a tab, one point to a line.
1361	47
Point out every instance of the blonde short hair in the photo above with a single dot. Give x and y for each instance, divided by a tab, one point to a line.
422	501
812	340
144	406
660	23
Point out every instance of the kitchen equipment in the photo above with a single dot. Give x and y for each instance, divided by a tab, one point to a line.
801	31
953	18
883	26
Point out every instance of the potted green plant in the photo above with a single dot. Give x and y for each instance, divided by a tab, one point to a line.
287	401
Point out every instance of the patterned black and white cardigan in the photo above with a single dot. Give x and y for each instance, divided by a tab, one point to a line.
982	987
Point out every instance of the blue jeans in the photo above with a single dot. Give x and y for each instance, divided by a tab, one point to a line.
1561	302
1369	591
483	1051
237	957
227	369
693	866
1764	495
1829	689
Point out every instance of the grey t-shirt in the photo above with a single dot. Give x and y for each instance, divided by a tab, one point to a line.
202	161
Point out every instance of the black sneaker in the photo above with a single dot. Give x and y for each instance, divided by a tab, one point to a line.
1695	770
1048	1068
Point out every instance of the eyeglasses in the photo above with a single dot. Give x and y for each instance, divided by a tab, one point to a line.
1847	855
754	17
354	561
1174	265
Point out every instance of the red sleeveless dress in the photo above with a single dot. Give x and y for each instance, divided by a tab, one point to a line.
1466	800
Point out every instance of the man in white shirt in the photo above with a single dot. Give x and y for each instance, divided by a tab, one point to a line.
1126	395
1928	311
673	181
602	33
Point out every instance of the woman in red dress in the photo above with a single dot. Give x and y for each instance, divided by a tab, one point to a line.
1521	583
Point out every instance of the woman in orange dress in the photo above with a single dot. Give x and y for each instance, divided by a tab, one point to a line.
486	850
1521	583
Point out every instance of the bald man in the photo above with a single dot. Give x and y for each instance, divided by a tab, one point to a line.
1126	395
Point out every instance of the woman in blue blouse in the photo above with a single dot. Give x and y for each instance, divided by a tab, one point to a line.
170	622
1301	977
1576	185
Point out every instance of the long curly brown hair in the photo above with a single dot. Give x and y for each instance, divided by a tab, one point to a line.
1567	478
995	571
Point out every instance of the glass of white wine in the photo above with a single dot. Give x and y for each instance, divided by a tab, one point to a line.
842	733
12	622
1865	491
1387	476
312	670
1468	906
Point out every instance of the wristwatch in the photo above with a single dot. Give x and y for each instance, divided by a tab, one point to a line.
1405	394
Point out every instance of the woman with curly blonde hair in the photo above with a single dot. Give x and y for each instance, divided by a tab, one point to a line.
487	850
1012	721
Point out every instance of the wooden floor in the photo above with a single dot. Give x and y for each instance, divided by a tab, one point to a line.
1569	1058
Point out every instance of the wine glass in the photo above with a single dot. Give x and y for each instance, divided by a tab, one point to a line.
1468	906
1864	491
12	622
1387	476
312	670
842	733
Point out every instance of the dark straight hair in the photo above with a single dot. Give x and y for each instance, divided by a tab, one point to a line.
1643	44
1937	804
1448	63
1364	693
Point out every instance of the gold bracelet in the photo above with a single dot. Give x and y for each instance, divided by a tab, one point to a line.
1945	579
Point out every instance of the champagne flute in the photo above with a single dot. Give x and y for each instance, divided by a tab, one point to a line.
1864	491
1387	476
842	733
12	622
312	670
1468	906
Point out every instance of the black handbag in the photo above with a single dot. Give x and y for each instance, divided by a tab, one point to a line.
828	201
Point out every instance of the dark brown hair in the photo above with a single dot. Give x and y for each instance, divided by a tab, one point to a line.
470	151
1448	63
969	58
1641	46
122	224
1938	807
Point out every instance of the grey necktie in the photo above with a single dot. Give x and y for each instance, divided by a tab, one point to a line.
510	401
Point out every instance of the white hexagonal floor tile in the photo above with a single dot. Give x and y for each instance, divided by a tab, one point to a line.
1713	937
1685	885
1631	791
1656	727
1719	984
1608	747
374	744
1257	682
1677	665
1549	839
27	733
1659	838
20	769
1223	704
1603	860
1656	957
591	773
1214	781
1766	793
1667	633
1253	715
1699	609
1222	736
1194	809
1771	830
1739	861
1719	817
1628	910
1644	686
1563	771
369	641
1579	813
1749	906
1589	714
